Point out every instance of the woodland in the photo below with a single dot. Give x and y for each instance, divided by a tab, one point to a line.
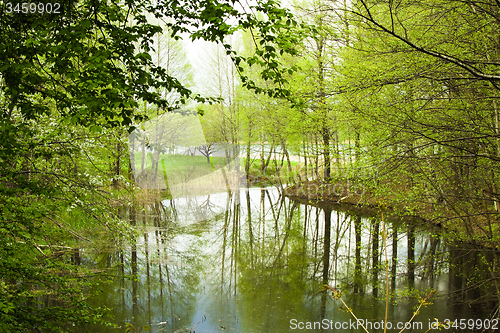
396	97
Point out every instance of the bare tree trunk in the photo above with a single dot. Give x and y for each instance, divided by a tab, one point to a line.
118	149
285	151
375	257
144	161
394	256
131	162
411	254
316	157
247	161
262	153
305	157
266	164
326	152
493	181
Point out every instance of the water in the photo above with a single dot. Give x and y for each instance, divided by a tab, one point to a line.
254	261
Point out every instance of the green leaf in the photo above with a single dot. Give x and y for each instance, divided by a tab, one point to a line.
95	129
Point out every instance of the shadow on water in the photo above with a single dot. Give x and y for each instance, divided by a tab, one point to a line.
255	261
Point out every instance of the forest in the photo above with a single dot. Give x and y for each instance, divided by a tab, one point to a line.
381	109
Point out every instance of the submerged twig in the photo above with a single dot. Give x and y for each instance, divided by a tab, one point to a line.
338	296
422	303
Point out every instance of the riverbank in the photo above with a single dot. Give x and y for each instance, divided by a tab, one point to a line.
349	197
466	227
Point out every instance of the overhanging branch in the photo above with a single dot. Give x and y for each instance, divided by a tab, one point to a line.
448	58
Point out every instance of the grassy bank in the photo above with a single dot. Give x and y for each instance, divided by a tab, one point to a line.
178	169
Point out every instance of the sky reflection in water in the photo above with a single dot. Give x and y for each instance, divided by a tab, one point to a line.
256	262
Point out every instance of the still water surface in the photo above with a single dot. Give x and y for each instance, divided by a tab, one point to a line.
254	261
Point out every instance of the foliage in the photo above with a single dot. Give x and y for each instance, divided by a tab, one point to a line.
424	95
402	96
70	88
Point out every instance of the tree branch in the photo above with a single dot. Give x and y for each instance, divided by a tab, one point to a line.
448	58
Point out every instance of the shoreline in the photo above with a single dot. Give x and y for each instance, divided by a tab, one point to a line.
363	203
349	198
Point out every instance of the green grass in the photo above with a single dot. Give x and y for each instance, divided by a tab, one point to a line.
180	168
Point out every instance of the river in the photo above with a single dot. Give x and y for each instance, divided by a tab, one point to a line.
255	261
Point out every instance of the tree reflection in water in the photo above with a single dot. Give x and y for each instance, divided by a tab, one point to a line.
214	262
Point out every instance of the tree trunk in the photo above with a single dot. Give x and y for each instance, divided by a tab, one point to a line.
375	256
117	168
247	160
394	256
411	254
305	157
326	153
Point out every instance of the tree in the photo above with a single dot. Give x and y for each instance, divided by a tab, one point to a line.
317	53
432	115
67	81
419	83
225	117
